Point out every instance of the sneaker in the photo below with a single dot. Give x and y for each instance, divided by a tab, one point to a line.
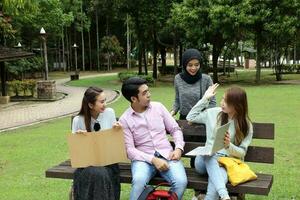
226	198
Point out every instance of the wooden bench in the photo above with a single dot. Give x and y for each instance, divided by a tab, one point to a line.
194	136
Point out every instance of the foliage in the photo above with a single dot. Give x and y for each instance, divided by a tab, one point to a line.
128	74
111	46
25	65
294	68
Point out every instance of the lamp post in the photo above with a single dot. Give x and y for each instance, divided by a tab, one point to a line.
19	45
43	37
75	48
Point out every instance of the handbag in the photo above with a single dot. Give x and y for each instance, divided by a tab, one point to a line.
152	193
238	172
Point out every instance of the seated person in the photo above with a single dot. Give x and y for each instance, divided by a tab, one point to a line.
93	183
145	124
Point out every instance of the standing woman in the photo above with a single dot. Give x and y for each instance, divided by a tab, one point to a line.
95	183
233	109
191	84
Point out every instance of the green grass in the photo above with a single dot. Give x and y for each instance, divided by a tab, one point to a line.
27	152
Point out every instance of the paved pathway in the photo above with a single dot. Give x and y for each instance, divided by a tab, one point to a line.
16	115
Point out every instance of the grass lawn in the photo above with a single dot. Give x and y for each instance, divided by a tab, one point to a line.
26	153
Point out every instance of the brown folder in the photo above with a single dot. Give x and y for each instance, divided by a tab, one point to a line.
97	148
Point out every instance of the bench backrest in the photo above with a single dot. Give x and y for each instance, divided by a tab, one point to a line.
195	135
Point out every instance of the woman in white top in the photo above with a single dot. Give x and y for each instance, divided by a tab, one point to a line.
93	183
233	109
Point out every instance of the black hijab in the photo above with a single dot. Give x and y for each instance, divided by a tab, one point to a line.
187	56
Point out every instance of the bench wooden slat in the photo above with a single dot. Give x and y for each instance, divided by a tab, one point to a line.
260	186
254	153
263	131
260	130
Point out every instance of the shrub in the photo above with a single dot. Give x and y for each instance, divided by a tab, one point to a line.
293	68
126	75
15	86
25	85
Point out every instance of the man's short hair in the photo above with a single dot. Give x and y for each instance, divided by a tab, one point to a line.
130	87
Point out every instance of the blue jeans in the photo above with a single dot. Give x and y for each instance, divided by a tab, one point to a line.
142	172
217	176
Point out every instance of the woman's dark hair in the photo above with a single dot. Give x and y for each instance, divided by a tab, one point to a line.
130	87
90	96
237	98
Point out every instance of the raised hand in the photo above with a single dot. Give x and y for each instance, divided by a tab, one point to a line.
211	91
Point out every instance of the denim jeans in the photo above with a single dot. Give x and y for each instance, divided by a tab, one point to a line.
217	176
142	172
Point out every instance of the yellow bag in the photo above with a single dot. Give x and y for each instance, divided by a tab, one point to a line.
238	171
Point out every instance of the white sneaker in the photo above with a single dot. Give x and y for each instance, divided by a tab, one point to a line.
226	198
199	197
194	198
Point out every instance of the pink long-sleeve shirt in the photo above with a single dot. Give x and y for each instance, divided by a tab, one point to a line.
145	133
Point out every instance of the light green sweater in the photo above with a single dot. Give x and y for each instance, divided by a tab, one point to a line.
200	113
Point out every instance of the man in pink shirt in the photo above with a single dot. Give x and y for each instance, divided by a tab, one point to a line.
145	124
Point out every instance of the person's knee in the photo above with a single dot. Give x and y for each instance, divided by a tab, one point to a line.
181	181
139	180
200	165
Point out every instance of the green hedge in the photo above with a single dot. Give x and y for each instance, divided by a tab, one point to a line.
293	68
126	75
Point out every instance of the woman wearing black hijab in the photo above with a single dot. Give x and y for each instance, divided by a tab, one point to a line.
190	84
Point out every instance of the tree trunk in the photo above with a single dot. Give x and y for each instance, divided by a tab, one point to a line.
288	56
295	51
128	42
144	52
68	50
228	69
140	55
63	49
237	54
90	50
59	55
258	56
175	59
271	59
224	62
180	54
154	56
82	41
97	35
216	54
277	65
163	53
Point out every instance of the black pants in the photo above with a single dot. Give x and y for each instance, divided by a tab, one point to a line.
182	117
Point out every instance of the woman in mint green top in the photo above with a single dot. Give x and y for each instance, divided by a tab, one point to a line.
234	109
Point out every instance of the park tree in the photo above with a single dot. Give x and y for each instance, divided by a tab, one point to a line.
209	22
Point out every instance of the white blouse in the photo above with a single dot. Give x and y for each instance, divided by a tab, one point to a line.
106	120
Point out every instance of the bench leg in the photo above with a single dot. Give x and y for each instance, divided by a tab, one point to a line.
241	197
71	193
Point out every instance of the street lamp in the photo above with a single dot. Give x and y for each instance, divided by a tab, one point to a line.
75	48
44	37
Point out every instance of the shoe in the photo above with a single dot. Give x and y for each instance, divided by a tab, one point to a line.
226	198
